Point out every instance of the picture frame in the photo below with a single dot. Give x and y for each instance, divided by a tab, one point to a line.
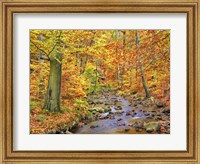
10	7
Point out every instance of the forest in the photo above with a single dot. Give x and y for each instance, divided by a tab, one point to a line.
100	81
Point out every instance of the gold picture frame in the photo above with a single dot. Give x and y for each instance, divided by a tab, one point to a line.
10	7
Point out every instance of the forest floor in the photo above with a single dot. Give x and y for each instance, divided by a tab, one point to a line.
107	113
124	114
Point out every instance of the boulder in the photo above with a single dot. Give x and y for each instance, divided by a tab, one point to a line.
118	108
67	132
149	130
93	126
95	110
160	105
103	116
107	109
152	126
126	129
92	109
138	125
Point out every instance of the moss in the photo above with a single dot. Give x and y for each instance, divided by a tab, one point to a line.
40	117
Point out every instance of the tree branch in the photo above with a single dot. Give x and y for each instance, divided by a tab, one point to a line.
55	44
46	55
39	48
40	57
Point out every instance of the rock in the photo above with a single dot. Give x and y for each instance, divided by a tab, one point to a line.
128	113
94	126
165	118
118	108
119	119
164	125
121	124
168	131
92	109
108	103
104	116
160	105
146	114
99	102
149	130
53	131
90	101
126	129
149	117
58	131
133	115
158	118
107	109
138	125
166	111
138	130
101	110
95	110
119	112
157	114
152	125
112	117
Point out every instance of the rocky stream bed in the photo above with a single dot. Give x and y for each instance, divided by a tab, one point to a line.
124	115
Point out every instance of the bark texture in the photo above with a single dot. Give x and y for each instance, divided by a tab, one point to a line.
52	102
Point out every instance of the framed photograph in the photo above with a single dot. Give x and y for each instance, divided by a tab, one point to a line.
113	81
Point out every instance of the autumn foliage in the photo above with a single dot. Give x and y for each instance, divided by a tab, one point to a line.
130	62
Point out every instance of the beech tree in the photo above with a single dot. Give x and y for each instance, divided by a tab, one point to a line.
70	64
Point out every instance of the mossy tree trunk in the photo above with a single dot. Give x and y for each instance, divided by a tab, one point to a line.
52	101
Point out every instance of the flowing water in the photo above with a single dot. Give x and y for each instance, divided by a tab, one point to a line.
120	122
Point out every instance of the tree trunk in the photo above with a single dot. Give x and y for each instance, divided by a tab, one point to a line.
144	81
118	74
122	78
131	77
52	102
141	67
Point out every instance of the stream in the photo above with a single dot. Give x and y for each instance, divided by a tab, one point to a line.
122	117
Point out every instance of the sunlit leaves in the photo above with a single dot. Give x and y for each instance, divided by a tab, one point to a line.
99	58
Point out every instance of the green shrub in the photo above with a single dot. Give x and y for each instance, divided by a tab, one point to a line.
40	117
80	104
34	104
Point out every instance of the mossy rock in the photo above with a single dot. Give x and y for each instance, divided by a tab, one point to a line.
92	109
152	126
118	108
109	103
107	109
